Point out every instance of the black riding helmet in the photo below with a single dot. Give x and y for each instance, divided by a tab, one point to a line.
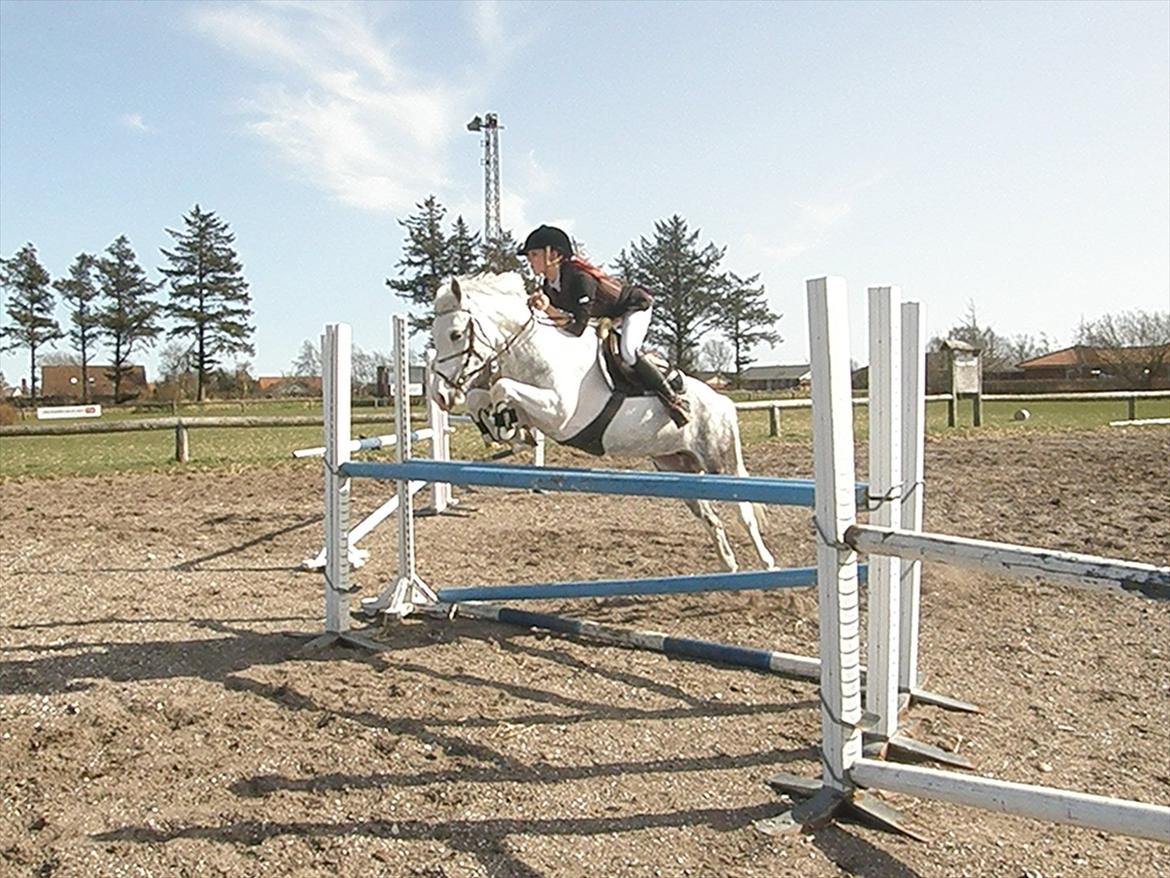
547	236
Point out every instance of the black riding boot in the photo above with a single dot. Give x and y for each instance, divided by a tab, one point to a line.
677	407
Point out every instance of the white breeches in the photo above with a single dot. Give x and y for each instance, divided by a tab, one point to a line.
635	325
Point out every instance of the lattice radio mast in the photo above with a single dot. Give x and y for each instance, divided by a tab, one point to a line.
490	127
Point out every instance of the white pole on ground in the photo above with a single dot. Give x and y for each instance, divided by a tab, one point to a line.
1103	813
885	485
913	433
836	511
335	349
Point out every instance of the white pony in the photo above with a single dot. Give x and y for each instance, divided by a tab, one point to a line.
487	340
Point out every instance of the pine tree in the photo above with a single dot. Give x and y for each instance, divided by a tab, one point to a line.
425	261
686	284
209	300
80	292
463	249
129	317
745	319
499	255
30	309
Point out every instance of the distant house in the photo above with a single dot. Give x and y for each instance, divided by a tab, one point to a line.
274	386
1084	362
774	377
716	378
64	382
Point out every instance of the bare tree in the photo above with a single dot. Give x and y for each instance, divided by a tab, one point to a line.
715	355
997	354
1023	347
1134	345
308	361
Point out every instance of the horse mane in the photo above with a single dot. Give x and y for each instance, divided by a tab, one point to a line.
500	298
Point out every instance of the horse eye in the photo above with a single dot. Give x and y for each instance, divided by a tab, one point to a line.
455	334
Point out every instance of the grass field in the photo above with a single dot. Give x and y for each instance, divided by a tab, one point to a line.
46	456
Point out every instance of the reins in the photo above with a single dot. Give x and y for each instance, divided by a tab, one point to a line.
466	376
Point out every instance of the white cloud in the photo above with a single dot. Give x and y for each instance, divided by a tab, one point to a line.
336	105
488	28
134	121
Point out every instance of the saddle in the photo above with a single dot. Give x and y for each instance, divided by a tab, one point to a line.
623	379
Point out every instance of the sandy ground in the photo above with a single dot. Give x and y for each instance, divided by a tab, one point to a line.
157	715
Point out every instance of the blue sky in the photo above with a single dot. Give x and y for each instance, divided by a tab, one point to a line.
1013	155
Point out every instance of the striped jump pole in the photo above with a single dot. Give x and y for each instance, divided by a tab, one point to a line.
785	664
767	660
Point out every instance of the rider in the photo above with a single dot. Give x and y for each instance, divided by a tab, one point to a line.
571	286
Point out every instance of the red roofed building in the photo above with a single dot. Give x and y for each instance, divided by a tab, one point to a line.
64	382
1139	366
288	385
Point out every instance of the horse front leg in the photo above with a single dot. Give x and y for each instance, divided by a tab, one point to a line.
537	406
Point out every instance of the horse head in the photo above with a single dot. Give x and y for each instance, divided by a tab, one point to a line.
473	318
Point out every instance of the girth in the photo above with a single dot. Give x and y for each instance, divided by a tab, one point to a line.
589	439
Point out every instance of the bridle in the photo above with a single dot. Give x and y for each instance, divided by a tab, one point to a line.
475	364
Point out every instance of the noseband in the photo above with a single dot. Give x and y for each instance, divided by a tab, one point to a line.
467	376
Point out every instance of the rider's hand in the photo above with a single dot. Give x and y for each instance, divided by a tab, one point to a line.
538	301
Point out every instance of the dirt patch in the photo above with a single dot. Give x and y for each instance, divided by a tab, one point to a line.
158	718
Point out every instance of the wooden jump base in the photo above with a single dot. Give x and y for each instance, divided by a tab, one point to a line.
845	771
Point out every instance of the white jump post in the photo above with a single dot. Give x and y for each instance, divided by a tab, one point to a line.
335	361
885	489
441	440
913	475
407	590
437	431
845	769
838	598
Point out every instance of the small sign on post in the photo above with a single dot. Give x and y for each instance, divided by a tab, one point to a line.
57	412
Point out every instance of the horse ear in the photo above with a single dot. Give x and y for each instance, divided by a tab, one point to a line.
455	291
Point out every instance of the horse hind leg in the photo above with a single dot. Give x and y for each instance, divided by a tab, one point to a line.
751	523
703	510
724	454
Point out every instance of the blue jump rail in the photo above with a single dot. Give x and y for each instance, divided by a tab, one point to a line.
641	483
749	580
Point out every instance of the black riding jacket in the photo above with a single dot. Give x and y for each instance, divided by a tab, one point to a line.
581	296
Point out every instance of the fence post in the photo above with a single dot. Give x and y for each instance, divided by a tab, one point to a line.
977	410
774	420
1132	408
952	406
182	442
